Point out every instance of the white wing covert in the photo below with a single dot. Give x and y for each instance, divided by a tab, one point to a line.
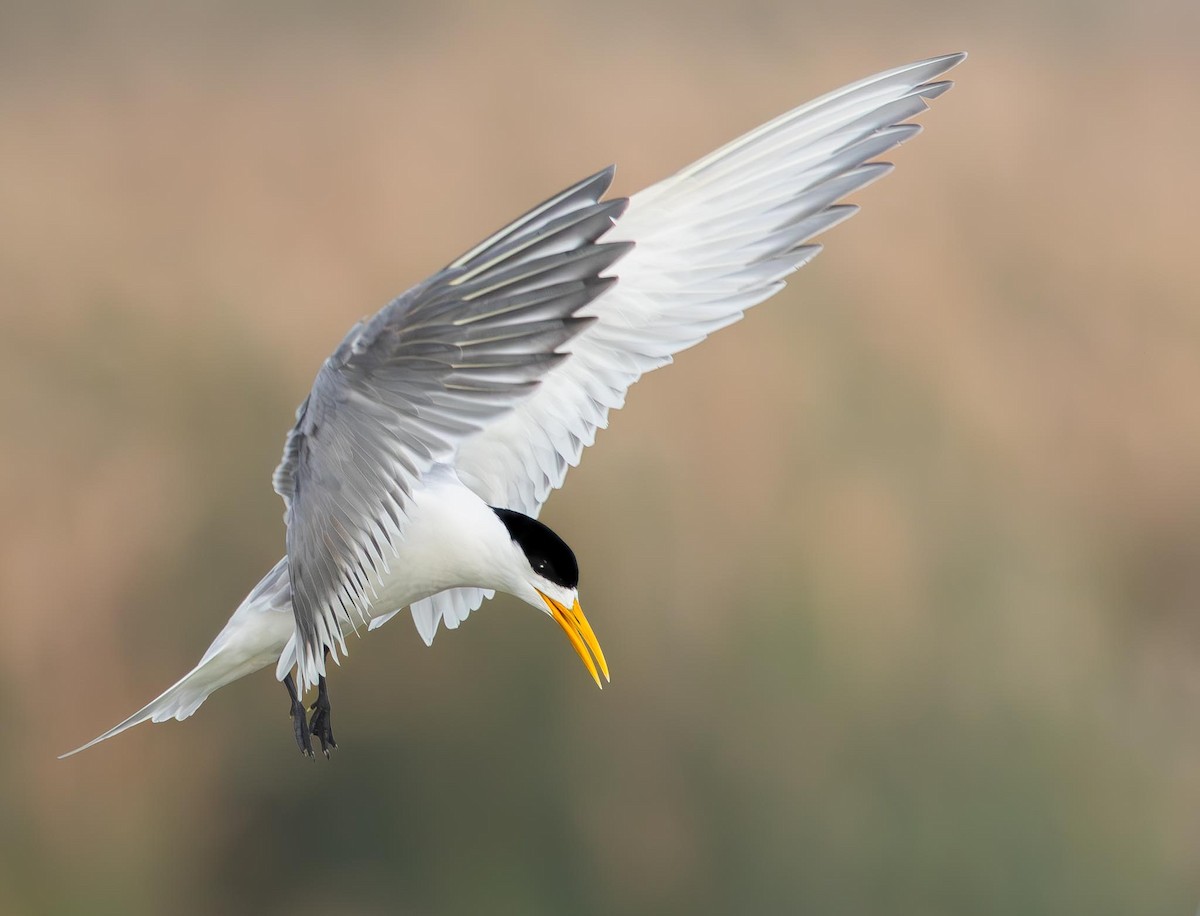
711	241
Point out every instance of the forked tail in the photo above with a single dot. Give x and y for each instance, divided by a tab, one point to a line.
253	638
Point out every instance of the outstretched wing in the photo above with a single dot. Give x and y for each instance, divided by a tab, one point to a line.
712	240
404	388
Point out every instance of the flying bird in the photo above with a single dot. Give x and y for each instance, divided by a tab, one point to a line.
433	435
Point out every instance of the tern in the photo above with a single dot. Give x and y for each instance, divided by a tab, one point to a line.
434	434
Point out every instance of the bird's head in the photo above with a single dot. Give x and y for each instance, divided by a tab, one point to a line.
549	581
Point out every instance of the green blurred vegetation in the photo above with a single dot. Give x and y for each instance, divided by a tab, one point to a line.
937	653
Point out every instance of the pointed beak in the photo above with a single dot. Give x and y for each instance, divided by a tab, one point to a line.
579	631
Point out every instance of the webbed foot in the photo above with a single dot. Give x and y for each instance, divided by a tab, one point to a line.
320	725
299	719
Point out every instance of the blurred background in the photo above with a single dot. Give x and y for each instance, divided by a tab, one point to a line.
938	653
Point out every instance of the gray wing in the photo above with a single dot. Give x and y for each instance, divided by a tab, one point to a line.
712	241
404	388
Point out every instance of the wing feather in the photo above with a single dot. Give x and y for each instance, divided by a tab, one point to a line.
405	387
713	240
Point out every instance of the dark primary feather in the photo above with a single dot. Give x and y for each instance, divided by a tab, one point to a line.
403	389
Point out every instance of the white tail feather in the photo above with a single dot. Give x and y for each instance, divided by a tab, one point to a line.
253	638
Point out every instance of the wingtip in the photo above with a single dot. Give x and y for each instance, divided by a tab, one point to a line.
943	62
926	71
953	59
596	185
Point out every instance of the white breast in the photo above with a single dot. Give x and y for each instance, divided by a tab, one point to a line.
452	539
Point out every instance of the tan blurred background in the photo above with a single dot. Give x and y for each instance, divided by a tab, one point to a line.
938	653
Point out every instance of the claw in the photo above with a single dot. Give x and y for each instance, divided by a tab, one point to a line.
320	725
300	727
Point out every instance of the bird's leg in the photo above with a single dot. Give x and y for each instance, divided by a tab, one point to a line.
299	719
319	725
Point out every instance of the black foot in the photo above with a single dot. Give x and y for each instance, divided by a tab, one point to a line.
299	719
319	725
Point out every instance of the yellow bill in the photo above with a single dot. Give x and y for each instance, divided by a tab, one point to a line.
579	631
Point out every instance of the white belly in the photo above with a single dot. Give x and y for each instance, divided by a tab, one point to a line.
452	539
